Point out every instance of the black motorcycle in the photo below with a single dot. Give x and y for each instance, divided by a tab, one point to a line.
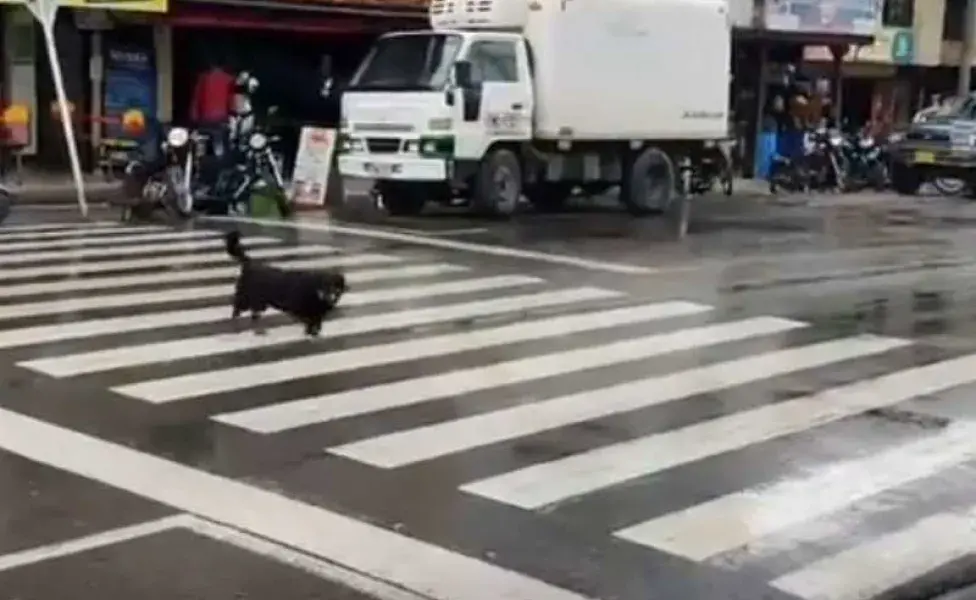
713	166
165	180
866	162
6	201
257	167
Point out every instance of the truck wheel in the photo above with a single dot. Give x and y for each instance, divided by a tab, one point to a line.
498	185
905	180
402	199
549	197
649	185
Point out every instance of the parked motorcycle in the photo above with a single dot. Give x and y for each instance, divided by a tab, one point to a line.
6	201
712	167
865	163
164	181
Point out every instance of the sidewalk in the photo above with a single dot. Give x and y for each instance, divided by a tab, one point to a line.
59	188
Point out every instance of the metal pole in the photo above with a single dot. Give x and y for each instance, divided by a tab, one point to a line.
964	82
46	12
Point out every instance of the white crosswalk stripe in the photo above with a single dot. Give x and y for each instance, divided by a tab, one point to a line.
488	361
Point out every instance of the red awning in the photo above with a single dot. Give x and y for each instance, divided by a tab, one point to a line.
297	22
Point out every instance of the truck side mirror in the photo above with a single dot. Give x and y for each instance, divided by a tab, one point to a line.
462	74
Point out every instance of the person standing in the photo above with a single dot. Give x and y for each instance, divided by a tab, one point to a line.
212	103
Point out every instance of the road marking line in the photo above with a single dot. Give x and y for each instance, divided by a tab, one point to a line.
507	373
415	565
195	385
81	227
209	292
98	242
185	275
718	436
89	328
165	263
445	244
288	415
89	542
737	519
74	254
870	569
374	588
128	356
538	485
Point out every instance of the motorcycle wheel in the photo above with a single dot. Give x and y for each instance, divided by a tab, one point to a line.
6	200
880	177
175	206
726	176
948	186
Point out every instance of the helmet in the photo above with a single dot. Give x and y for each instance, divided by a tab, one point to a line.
246	83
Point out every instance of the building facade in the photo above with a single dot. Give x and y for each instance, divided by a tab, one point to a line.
148	60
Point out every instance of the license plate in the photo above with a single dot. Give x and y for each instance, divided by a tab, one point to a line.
925	158
379	169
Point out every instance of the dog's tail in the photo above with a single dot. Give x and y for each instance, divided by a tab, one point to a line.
234	247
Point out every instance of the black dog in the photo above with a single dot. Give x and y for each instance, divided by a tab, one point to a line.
305	295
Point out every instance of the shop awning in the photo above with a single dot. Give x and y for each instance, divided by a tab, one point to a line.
278	18
395	9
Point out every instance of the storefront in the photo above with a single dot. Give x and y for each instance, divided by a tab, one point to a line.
79	36
285	46
771	52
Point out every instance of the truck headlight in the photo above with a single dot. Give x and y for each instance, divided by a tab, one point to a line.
411	147
353	145
437	146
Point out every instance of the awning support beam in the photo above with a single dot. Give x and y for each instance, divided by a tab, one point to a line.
46	13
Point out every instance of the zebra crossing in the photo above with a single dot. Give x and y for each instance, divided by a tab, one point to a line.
169	289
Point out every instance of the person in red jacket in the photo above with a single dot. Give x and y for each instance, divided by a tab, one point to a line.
213	97
212	105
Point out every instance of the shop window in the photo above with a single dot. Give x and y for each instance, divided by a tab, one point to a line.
954	20
898	13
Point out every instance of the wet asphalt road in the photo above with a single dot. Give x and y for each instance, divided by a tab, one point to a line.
776	407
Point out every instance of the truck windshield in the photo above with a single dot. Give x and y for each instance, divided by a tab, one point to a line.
408	62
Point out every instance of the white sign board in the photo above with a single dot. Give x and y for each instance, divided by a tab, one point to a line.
313	165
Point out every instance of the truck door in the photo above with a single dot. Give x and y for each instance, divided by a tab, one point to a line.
499	67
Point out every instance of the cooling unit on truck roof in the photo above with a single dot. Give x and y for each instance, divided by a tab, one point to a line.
479	14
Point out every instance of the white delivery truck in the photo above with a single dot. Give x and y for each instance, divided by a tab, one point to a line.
504	98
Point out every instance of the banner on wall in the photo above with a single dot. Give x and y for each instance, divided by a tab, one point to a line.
130	87
152	6
842	17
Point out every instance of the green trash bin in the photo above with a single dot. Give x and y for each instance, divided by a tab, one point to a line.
267	202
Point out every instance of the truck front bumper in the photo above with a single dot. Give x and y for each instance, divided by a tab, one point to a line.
393	167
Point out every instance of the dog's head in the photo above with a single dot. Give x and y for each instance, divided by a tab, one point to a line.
331	287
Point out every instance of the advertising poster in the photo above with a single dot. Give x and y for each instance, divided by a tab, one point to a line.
313	164
130	84
845	17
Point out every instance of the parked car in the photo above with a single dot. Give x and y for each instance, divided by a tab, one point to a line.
941	145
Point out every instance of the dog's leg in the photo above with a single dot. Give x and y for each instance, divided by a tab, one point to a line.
256	312
313	326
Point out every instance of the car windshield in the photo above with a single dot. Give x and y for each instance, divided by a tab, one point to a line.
408	62
954	107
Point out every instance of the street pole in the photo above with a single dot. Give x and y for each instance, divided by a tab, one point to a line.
46	11
968	46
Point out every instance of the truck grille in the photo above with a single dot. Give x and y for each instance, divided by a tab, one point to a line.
383	145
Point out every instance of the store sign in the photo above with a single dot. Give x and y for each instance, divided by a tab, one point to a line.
153	6
891	46
841	17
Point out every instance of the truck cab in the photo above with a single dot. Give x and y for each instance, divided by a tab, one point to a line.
500	98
